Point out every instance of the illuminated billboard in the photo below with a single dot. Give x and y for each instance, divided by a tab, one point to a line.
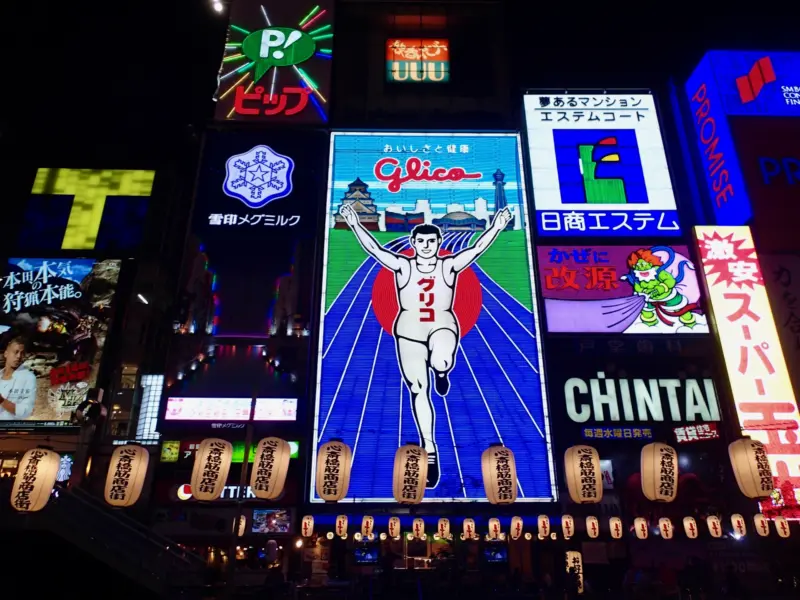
598	166
277	62
230	409
620	289
429	331
412	60
54	319
86	209
762	391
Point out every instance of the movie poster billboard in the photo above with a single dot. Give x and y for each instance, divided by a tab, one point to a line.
645	289
429	331
54	320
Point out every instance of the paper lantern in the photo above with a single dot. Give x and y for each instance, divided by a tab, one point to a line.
738	525
394	527
690	527
751	468
341	526
762	524
35	479
782	527
499	474
640	527
494	529
270	466
410	474
334	460
239	531
468	529
714	526
543	525
666	528
418	528
443	528
126	474
583	474
575	562
615	526
592	527
307	526
212	461
367	526
516	528
567	526
659	472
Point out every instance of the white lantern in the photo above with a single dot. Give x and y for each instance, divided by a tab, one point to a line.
640	527
666	528
575	562
394	527
738	524
126	474
751	468
410	474
494	529
35	479
239	531
367	526
468	529
615	526
690	527
212	461
659	472
418	527
762	524
583	474
543	524
567	526
341	526
334	461
443	528
516	528
592	527
714	526
499	474
307	526
270	466
782	527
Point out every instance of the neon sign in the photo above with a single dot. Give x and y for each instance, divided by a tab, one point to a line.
417	60
417	170
258	176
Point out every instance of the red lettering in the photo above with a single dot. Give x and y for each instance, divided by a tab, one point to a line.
416	170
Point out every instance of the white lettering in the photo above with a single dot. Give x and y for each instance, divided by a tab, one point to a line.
570	387
609	398
625	394
648	400
672	385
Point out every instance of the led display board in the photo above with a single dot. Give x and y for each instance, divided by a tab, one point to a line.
414	60
782	280
620	289
86	209
230	409
429	331
54	319
598	166
762	391
277	62
173	451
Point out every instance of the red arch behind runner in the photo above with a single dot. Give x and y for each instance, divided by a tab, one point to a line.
466	306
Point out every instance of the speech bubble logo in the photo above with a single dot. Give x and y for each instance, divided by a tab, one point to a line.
277	46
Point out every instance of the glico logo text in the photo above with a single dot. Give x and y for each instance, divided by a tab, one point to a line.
714	161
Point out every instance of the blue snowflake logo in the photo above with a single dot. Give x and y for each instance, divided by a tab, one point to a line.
258	176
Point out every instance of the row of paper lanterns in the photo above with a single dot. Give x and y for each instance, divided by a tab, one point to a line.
544	530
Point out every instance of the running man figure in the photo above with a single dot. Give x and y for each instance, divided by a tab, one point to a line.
426	331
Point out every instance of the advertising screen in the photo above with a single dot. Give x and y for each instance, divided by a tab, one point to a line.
598	166
54	320
86	209
412	60
271	521
620	289
277	62
762	391
429	331
782	280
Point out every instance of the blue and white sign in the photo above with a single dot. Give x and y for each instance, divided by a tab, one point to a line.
598	166
258	176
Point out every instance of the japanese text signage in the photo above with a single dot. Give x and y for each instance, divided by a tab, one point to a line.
598	166
54	319
762	392
782	278
620	289
429	331
277	62
411	60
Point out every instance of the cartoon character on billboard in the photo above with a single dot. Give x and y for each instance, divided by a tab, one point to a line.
426	331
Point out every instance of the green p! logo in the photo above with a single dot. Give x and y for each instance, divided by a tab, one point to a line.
277	46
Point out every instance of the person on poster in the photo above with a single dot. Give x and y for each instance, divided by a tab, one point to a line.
17	384
426	330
